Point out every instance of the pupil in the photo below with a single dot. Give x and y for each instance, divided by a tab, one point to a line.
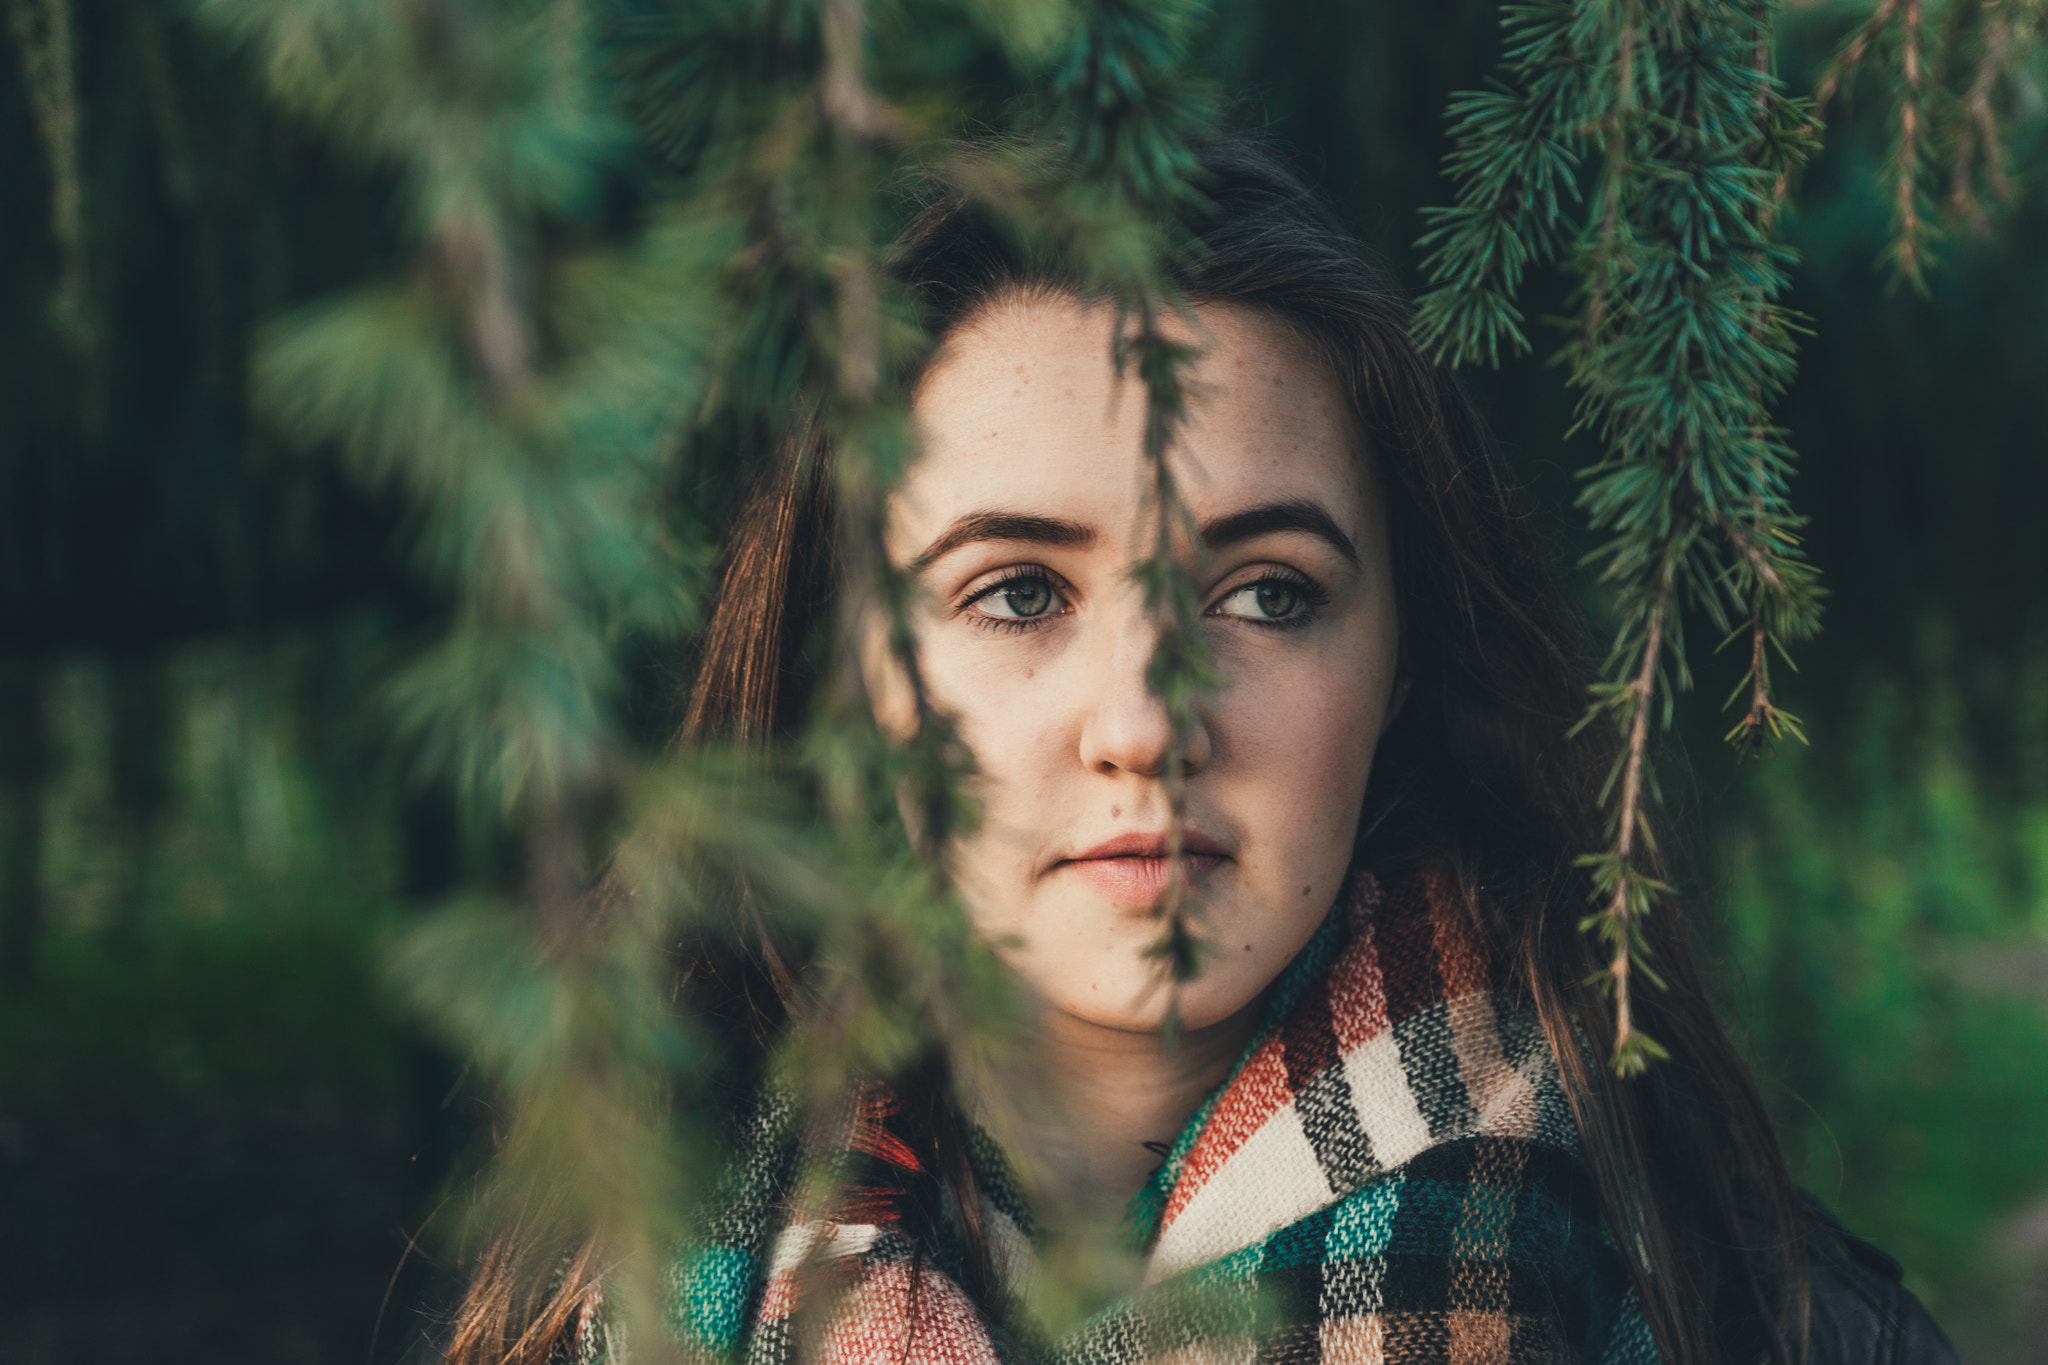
1029	599
1275	599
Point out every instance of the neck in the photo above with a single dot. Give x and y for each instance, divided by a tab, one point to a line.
1108	1092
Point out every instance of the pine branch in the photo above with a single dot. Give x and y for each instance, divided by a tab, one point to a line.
525	400
521	411
1980	137
1765	722
1854	50
1628	900
1180	670
1931	121
1677	350
1619	133
861	125
1513	161
1128	109
1910	228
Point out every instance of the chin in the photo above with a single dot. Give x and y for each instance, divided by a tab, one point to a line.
1210	999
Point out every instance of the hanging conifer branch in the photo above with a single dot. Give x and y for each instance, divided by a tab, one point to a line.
522	411
1910	227
874	424
1984	49
1180	667
1979	138
1855	48
1124	102
1764	722
1775	586
1678	349
908	942
1911	232
1628	897
1605	260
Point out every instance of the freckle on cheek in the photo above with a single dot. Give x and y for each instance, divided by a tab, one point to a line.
1304	890
1115	811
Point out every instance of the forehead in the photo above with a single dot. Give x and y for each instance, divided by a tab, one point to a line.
1024	407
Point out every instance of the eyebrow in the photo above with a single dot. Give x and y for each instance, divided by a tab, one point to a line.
1017	527
1024	529
1295	515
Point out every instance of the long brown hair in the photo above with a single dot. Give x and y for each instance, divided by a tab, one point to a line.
1480	773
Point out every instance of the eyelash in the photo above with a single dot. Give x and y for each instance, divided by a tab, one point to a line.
1016	573
1312	597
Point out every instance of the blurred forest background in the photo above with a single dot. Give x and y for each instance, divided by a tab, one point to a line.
219	1132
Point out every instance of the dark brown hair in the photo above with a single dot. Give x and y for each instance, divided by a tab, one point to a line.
1479	773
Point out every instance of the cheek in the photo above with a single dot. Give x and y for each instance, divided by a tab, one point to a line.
1303	735
1296	742
1007	711
1002	703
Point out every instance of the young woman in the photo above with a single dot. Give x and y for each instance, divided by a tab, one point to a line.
1385	1133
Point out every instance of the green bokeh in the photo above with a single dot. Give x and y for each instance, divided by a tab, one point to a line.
215	1122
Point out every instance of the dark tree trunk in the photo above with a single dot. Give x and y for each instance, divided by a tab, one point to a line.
24	772
141	763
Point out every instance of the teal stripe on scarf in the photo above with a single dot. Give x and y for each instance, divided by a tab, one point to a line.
712	1291
1365	1222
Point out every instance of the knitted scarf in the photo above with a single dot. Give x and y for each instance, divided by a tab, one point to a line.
1390	1176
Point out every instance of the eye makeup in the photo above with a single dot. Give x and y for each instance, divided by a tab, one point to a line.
1273	583
1023	597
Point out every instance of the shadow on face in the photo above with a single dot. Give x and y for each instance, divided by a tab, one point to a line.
1022	522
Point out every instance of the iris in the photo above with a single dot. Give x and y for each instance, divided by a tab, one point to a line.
1277	599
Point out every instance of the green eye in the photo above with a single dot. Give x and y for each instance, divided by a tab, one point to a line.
1272	601
1025	598
1031	597
1277	599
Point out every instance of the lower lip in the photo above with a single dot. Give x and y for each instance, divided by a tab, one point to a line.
1138	881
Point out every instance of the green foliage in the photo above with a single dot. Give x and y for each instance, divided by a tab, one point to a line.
1890	910
43	36
637	249
529	403
525	401
1130	110
1960	74
266	902
1678	347
485	112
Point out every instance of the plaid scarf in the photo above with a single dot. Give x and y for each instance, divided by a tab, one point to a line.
1390	1176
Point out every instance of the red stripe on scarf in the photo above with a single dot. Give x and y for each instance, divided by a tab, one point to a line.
1358	996
1358	1012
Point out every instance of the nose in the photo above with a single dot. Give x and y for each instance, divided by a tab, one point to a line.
1127	729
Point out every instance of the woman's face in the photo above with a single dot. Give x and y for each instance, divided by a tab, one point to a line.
1022	522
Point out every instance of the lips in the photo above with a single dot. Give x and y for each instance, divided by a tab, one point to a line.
1132	869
